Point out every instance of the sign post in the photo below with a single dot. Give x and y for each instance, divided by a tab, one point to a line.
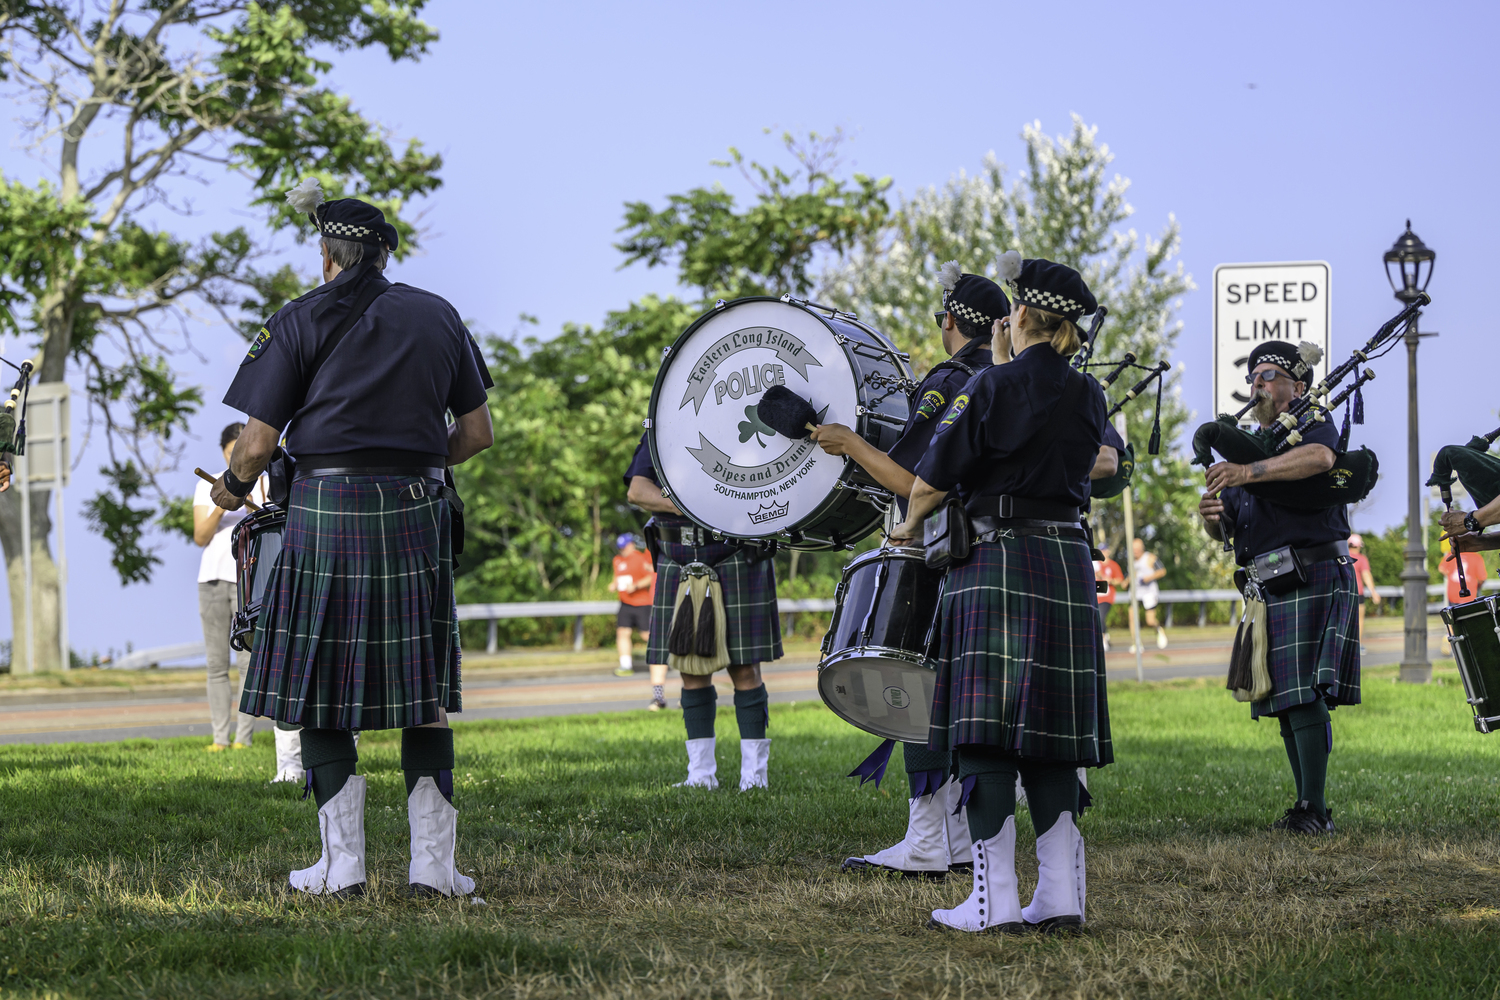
46	464
1259	302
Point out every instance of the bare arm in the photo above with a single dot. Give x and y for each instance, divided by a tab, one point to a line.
470	434
648	496
1106	464
836	439
252	452
1471	542
1294	463
924	500
206	523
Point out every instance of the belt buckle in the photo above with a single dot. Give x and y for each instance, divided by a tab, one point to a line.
1052	530
1007	508
416	491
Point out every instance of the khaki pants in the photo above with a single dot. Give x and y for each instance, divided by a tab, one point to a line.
216	606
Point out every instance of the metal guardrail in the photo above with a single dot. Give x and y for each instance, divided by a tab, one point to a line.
578	610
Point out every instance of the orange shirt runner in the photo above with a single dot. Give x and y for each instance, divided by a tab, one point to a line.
1474	573
637	566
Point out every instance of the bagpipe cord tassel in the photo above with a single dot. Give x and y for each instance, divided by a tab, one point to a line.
708	639
1359	405
1344	432
680	639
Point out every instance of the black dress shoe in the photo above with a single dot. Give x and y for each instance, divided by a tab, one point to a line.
861	865
1066	924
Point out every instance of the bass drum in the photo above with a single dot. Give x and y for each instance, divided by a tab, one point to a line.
734	475
875	673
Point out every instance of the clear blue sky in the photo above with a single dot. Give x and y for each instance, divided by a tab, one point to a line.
1276	131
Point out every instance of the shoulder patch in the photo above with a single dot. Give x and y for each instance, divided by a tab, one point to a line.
960	403
932	402
258	345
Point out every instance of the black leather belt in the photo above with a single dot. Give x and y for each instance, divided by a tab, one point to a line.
989	529
1012	508
379	470
691	535
1323	553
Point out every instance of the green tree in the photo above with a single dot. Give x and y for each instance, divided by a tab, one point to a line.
546	501
126	99
1066	207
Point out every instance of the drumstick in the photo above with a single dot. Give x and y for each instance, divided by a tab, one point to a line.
214	479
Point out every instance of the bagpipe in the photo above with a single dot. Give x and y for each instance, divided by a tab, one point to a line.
1113	486
1353	474
1473	465
13	414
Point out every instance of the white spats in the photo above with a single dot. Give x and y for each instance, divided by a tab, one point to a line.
341	869
434	832
1058	901
960	850
924	849
755	762
703	767
994	904
289	756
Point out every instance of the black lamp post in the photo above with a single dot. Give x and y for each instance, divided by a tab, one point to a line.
1410	260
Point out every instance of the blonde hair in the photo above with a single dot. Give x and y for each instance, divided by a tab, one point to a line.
1060	331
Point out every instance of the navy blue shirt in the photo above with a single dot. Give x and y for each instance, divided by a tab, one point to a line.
640	464
987	443
386	386
933	397
1261	525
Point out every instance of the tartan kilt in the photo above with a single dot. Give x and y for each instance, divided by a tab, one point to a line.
752	629
1314	636
358	629
1020	664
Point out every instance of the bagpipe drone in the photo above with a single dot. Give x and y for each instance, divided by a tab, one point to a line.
1354	473
13	414
1113	486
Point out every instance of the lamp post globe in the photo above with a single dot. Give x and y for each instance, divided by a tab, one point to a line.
1411	260
1408	267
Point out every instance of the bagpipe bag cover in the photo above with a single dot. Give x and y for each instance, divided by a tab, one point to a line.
1475	467
1351	479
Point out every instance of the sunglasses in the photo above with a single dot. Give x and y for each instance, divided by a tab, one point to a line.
1267	376
938	318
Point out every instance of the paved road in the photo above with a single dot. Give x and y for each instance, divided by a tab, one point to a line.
99	715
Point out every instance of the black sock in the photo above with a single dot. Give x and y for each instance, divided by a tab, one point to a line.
751	713
926	770
1051	790
329	758
698	710
1289	738
992	799
1314	735
427	751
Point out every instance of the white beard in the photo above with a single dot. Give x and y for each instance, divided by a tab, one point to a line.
1264	410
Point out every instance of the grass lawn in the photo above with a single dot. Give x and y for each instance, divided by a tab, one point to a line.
156	870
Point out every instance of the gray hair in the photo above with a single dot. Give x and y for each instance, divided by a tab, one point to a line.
347	253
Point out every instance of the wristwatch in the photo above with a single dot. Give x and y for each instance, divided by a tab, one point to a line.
1471	523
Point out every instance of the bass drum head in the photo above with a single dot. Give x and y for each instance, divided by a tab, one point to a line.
887	692
725	469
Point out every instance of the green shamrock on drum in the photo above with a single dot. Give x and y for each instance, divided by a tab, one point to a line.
752	427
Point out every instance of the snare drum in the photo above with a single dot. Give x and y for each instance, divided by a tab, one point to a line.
257	543
875	673
1474	631
735	476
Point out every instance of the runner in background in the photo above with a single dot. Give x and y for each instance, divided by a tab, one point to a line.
1148	570
1108	572
635	582
1364	581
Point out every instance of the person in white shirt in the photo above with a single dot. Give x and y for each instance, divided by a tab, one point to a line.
213	528
1148	570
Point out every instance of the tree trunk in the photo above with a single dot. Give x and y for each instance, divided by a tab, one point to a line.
43	575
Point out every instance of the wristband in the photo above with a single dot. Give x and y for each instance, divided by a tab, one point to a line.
237	487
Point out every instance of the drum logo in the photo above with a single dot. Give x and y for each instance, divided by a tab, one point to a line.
897	697
769	513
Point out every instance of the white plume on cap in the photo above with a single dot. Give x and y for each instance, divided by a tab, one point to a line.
949	274
1310	352
1010	265
306	196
